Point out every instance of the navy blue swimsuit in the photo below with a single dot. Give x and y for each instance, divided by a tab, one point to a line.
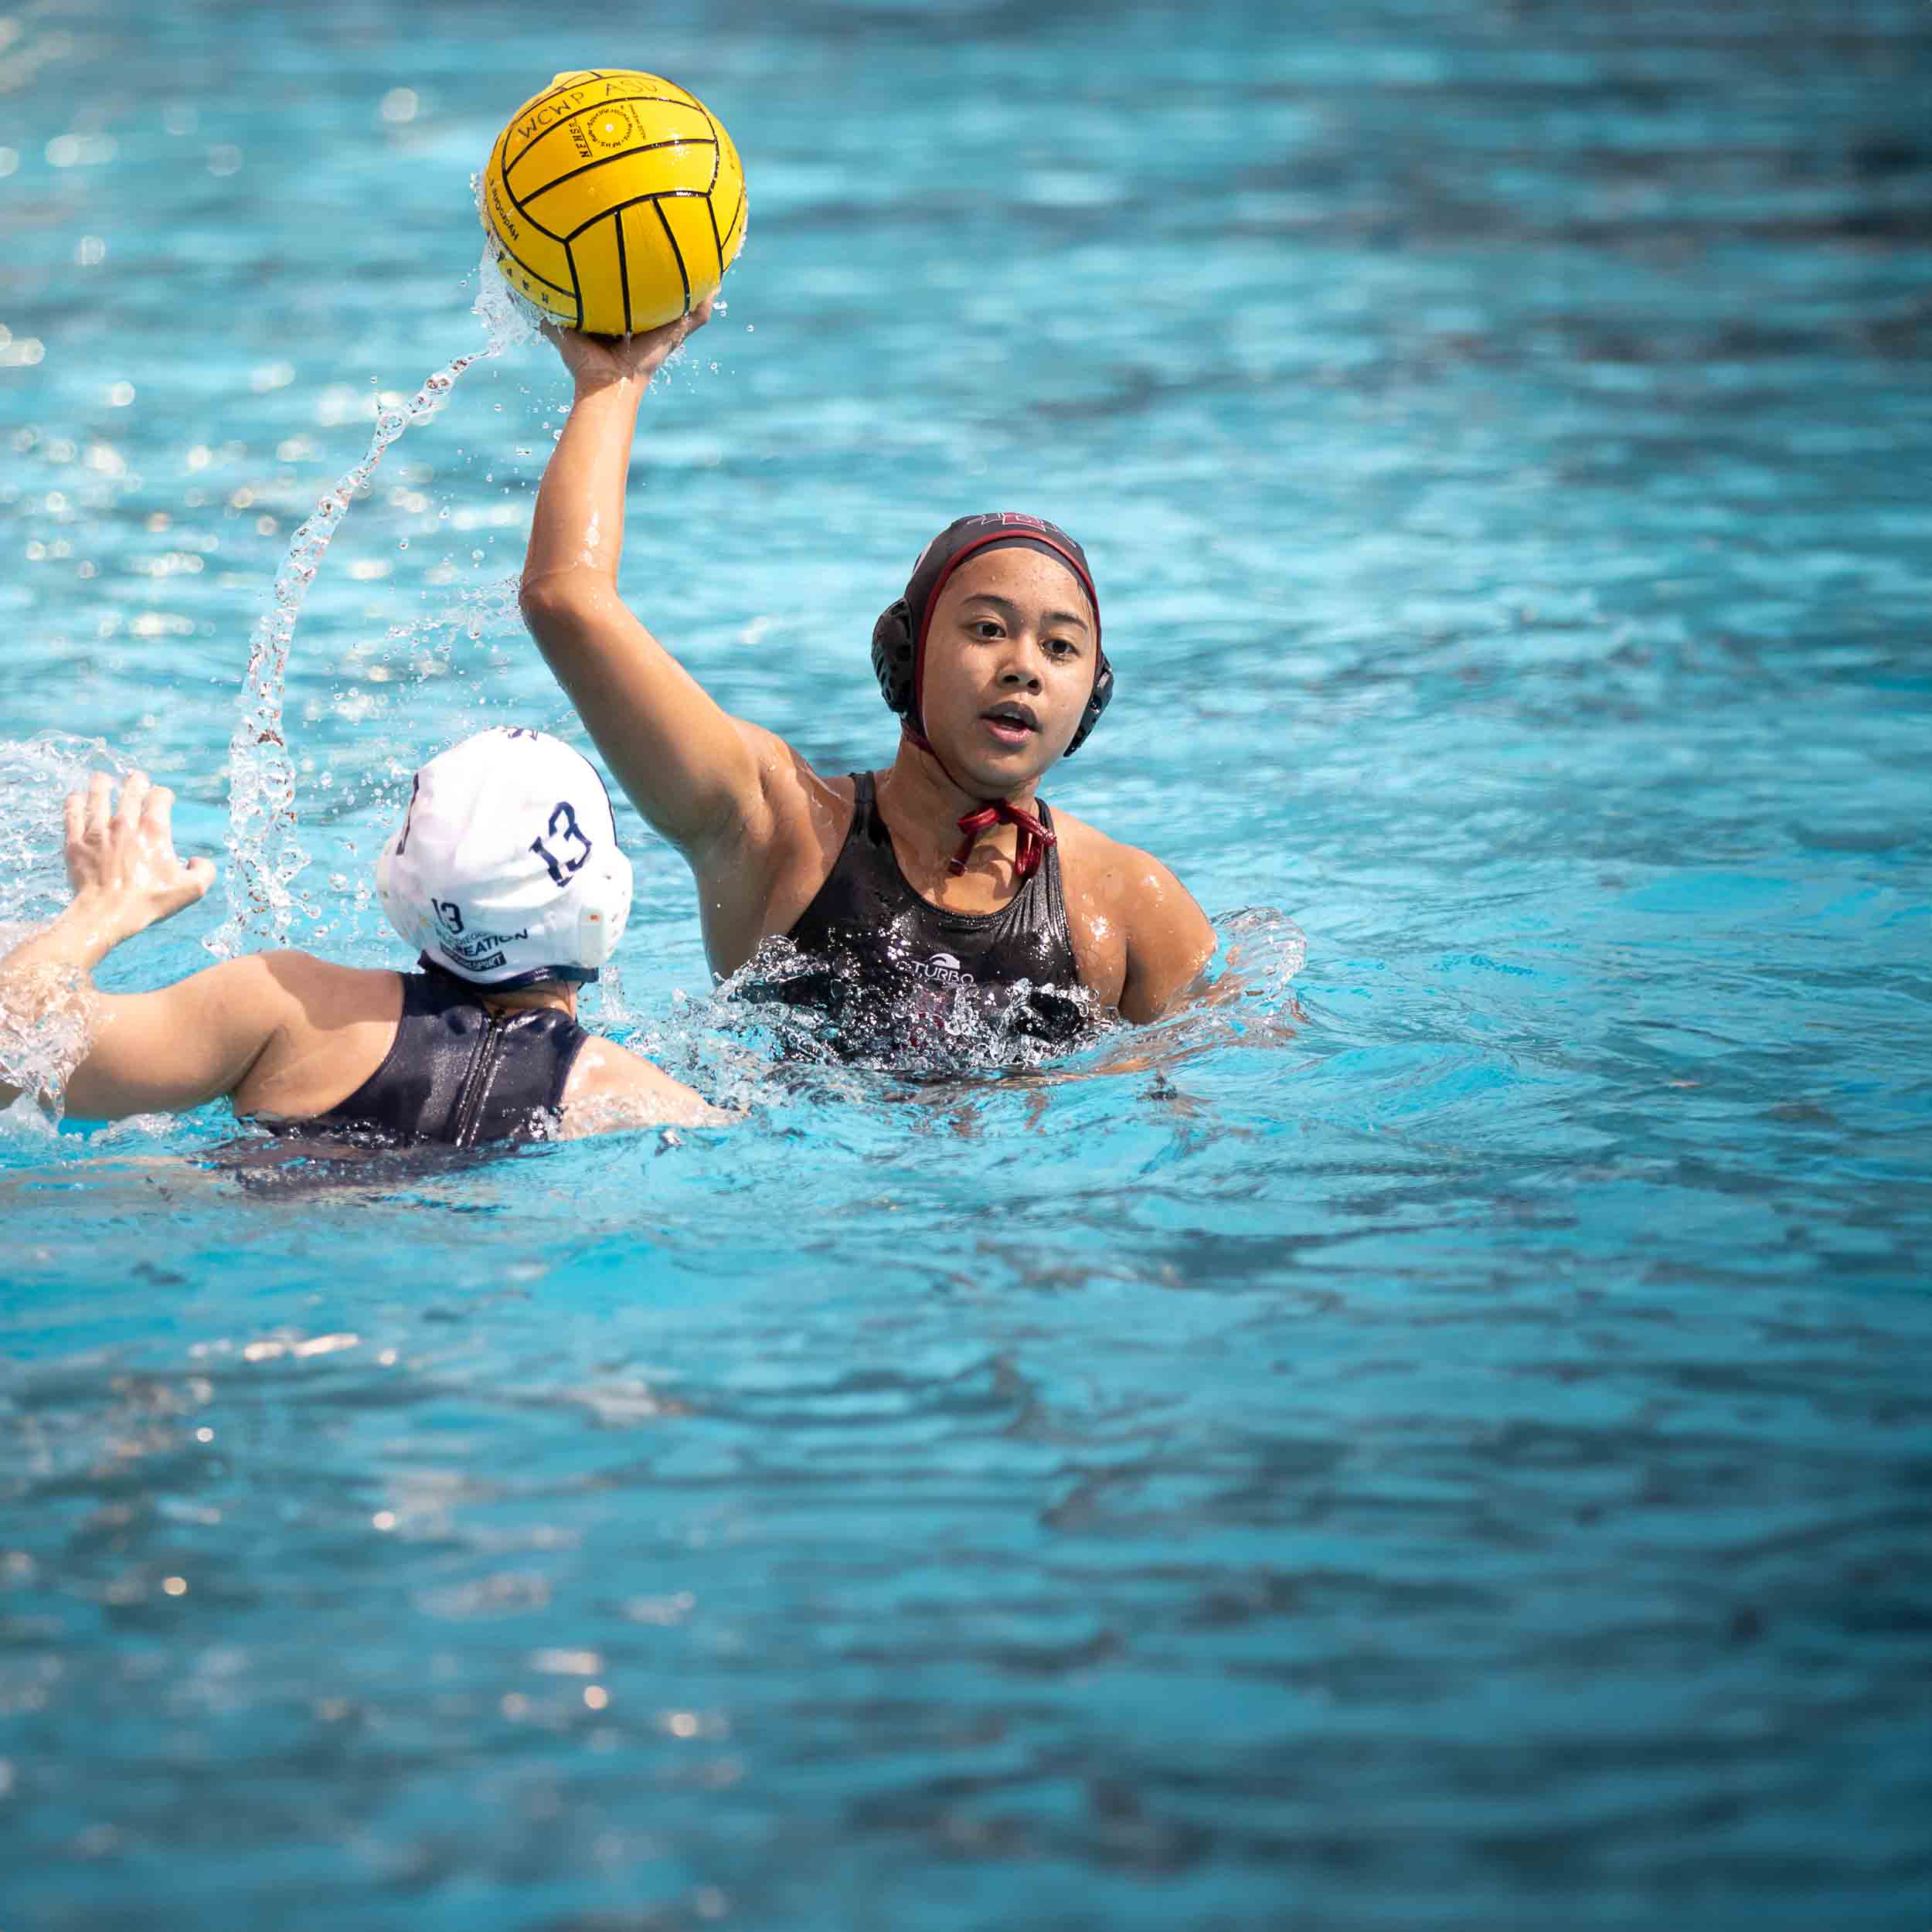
456	1074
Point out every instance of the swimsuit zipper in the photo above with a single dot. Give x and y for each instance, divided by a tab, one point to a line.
476	1083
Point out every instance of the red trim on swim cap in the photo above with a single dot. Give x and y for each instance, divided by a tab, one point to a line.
1034	836
1015	532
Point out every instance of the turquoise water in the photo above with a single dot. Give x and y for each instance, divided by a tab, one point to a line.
1442	1441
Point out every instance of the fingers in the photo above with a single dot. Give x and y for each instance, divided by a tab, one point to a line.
160	815
159	826
74	848
99	810
123	856
649	347
191	883
702	314
134	793
88	818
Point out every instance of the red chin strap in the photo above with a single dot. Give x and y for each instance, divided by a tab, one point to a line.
1034	837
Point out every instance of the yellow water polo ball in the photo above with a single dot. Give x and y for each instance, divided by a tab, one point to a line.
613	201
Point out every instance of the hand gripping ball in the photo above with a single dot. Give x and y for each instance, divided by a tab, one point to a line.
613	201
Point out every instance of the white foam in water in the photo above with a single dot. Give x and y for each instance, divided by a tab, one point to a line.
36	776
264	849
726	1042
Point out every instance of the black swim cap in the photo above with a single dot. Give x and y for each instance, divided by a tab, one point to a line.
898	637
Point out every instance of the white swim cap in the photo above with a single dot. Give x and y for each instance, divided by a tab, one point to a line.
505	869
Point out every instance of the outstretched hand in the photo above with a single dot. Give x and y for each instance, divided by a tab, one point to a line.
608	358
122	863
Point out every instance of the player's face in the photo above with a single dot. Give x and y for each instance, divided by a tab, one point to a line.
1009	667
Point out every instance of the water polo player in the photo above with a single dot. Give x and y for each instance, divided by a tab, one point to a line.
937	890
504	874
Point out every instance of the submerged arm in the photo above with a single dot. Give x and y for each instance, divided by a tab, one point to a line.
691	769
611	1088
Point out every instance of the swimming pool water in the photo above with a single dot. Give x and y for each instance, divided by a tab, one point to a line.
1441	1441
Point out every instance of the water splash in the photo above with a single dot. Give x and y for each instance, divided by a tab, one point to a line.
1245	999
927	1024
264	848
731	1043
35	776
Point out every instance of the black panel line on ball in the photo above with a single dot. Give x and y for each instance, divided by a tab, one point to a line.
531	107
717	160
636	201
508	163
684	274
604	161
527	216
732	224
623	269
525	268
577	287
717	240
616	100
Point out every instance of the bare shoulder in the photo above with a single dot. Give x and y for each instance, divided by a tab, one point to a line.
321	992
273	1031
611	1087
265	985
761	875
324	1029
795	795
1123	875
1148	937
299	973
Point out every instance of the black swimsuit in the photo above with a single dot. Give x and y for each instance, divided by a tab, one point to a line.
890	974
456	1074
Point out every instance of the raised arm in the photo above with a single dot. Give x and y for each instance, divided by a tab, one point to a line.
692	769
191	1041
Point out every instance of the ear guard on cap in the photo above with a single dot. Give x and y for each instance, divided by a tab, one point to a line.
892	656
893	653
1097	700
599	929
